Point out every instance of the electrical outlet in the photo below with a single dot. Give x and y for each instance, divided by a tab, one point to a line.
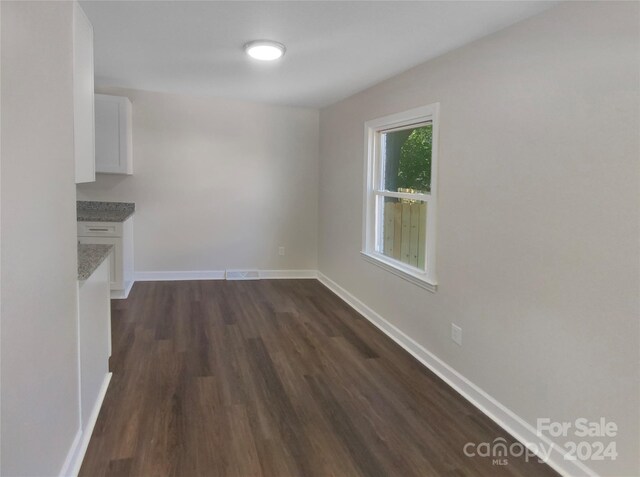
280	250
456	334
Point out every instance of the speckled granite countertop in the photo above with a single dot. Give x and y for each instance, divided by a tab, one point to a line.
90	256
90	211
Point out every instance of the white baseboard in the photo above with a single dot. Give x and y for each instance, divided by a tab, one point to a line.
220	275
500	414
122	294
73	451
78	449
288	274
176	276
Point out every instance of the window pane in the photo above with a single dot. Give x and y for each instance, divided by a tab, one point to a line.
407	159
403	230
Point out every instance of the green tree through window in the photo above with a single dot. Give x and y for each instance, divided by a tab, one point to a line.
408	159
414	171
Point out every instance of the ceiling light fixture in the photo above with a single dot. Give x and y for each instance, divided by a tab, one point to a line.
264	50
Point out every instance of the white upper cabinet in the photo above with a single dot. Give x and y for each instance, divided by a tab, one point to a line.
113	135
83	102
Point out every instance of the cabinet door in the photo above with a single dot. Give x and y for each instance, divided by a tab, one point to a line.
117	282
113	134
83	101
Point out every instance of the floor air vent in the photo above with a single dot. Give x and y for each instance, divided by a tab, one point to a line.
242	275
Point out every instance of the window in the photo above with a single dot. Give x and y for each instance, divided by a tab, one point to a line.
400	194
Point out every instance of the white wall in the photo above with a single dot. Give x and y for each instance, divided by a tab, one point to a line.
538	250
218	184
39	370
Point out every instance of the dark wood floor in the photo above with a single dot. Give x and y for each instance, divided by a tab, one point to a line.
274	378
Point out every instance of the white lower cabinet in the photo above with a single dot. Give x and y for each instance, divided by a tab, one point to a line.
120	235
94	333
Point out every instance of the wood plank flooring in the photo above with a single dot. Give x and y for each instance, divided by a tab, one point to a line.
274	378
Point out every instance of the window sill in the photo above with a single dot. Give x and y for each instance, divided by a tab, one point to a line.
416	278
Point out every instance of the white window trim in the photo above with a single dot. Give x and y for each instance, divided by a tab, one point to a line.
372	172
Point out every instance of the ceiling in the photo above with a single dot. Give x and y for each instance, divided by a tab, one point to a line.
334	49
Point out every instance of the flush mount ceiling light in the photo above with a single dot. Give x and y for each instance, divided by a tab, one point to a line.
264	50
